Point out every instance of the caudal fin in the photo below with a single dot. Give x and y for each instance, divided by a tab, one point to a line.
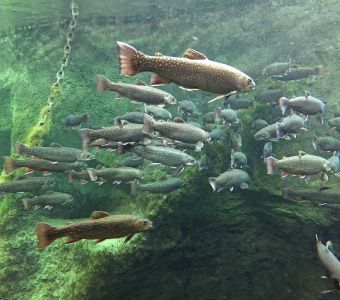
127	59
319	70
278	130
283	102
148	123
20	148
44	235
85	136
212	182
217	114
271	165
134	188
92	174
27	203
86	118
9	164
103	84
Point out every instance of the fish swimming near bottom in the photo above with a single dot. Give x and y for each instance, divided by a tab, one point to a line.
29	184
159	187
315	196
49	200
330	262
230	179
100	227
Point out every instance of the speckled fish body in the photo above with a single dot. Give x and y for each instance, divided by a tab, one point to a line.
228	115
266	133
33	184
104	227
194	71
187	106
230	179
135	117
292	124
117	174
159	113
49	199
135	92
161	187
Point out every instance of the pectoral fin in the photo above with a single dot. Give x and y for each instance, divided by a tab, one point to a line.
99	214
128	237
72	239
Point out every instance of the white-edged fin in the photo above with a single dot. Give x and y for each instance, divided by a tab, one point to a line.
324	176
217	98
212	182
327	291
323	277
322	204
244	186
231	188
199	146
92	174
187	89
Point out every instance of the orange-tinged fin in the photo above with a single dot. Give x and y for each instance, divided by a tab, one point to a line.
85	135
44	236
99	214
102	84
20	148
127	56
28	170
9	164
319	70
129	237
179	120
53	144
194	54
158	80
72	239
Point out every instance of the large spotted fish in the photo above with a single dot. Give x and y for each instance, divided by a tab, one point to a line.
193	71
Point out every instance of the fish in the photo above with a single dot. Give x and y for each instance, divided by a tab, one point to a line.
187	146
11	164
132	161
215	134
125	134
267	151
238	103
330	262
277	68
135	117
334	163
266	133
116	175
258	124
336	114
208	117
238	159
163	155
301	72
178	130
270	96
202	162
291	125
157	112
334	123
313	195
235	140
100	227
28	185
230	179
193	71
188	107
306	105
82	175
55	152
159	187
228	115
76	120
326	143
138	93
49	200
102	143
302	165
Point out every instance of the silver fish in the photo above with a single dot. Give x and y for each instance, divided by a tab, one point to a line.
291	125
238	159
159	187
326	143
159	113
230	179
266	133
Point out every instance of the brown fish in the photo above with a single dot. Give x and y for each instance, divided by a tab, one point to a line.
193	71
100	227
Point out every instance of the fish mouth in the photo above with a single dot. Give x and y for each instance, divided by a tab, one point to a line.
149	225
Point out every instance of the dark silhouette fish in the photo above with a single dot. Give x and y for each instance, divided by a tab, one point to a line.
326	143
270	96
193	71
76	120
299	73
276	69
100	227
49	200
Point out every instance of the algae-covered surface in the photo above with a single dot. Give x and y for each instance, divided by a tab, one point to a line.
245	244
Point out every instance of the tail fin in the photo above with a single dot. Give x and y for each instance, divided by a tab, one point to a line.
134	188
20	148
271	165
27	203
86	117
9	164
315	144
319	70
148	124
283	102
85	135
43	234
217	115
103	84
232	158
127	57
278	130
117	122
92	174
212	182
71	176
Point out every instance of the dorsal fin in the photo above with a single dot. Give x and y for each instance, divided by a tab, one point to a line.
99	214
53	144
139	82
158	54
179	120
307	94
194	54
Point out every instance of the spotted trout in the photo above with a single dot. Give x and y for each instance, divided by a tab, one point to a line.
100	227
193	71
159	187
29	184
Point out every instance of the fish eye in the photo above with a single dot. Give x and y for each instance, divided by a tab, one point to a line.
249	81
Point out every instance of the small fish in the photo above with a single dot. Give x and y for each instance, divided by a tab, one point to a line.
136	92
135	117
187	146
76	120
267	151
83	176
12	164
102	143
100	227
238	160
306	105
159	113
30	184
302	72
163	155
215	134
330	262
159	187
132	161
326	143
228	115
188	107
266	133
177	130
302	165
334	123
334	163
258	124
124	134
291	125
118	175
55	153
238	103
193	71
208	117
270	96
277	68
230	179
50	199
